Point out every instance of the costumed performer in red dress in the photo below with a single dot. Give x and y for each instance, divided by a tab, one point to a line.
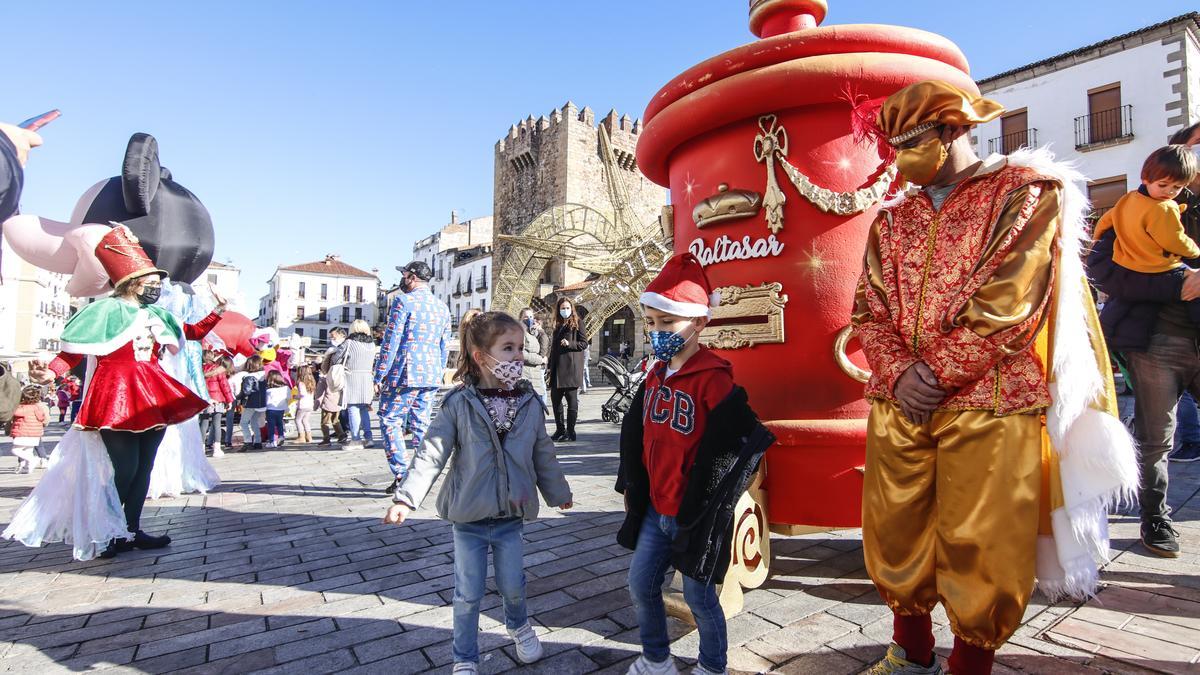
128	402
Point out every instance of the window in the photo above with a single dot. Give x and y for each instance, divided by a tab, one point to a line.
212	280
300	292
346	293
300	332
323	335
1104	113
483	305
345	315
358	294
358	313
300	313
1104	194
324	291
324	315
1014	131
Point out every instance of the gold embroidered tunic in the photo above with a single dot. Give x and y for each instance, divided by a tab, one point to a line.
964	289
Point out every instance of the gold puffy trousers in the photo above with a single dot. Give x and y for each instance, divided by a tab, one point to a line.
950	513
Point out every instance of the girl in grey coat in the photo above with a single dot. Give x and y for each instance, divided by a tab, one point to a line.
491	430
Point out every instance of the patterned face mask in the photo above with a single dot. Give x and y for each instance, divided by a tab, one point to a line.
667	344
508	372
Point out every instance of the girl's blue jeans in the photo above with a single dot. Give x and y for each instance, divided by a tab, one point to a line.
651	558
471	544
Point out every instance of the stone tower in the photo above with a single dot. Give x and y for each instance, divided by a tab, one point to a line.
549	161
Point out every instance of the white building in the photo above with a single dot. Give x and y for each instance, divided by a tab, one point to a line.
34	305
460	255
312	298
226	280
1106	106
470	281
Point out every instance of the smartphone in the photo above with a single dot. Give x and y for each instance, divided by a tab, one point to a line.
39	121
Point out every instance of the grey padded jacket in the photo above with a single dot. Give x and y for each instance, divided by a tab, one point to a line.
487	478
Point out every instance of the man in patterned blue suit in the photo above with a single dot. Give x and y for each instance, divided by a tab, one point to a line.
409	367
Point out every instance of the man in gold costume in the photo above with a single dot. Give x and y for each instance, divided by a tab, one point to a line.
963	291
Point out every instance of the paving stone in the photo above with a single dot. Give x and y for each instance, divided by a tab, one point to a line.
287	569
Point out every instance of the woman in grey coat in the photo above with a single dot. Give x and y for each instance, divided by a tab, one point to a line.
357	354
537	348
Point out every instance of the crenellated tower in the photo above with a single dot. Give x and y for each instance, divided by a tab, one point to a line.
556	159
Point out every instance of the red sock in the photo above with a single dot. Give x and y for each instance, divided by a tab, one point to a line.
915	634
967	659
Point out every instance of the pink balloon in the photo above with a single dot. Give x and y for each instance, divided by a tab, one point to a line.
61	247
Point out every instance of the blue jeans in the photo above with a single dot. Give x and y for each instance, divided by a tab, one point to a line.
471	543
274	425
1187	421
360	421
228	438
651	558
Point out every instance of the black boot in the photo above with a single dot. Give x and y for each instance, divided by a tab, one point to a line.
111	550
572	415
146	542
560	434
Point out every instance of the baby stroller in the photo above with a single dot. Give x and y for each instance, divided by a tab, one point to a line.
626	383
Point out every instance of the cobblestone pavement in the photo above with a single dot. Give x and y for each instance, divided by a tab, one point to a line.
287	568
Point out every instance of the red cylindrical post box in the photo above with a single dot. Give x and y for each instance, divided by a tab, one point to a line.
772	192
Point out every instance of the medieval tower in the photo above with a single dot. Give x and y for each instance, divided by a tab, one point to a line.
555	160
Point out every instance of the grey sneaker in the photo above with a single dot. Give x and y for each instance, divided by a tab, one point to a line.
701	670
644	666
464	667
896	663
529	649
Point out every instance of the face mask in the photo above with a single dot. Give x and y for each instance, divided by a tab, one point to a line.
667	344
920	164
529	323
565	312
508	372
149	295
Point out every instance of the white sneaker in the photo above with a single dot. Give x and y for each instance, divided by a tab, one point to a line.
218	452
529	649
644	666
466	667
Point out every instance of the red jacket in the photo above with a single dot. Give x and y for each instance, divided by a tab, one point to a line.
218	384
29	420
674	415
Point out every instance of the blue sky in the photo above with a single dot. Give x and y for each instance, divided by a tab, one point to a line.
355	127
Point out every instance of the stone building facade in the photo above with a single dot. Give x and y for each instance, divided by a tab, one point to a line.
555	160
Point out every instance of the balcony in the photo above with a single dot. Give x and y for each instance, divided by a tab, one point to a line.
1104	128
1011	142
482	287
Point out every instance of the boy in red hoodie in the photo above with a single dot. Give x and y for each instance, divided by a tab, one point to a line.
689	446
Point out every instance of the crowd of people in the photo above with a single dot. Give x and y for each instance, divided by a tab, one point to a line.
990	387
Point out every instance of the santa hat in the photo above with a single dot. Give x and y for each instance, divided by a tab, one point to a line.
681	288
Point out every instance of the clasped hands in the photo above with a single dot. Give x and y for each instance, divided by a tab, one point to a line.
918	393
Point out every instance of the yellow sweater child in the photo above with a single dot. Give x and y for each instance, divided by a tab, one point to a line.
1150	235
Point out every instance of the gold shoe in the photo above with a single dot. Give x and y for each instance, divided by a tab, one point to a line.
897	663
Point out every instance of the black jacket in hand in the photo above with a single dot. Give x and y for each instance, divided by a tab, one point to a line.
730	451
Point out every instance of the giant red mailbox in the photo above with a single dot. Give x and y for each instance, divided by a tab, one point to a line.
774	195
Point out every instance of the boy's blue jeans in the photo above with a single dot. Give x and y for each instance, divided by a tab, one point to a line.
651	558
471	543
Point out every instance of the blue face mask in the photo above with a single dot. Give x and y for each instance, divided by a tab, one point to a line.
667	344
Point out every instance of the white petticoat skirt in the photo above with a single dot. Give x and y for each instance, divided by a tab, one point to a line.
180	466
75	502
